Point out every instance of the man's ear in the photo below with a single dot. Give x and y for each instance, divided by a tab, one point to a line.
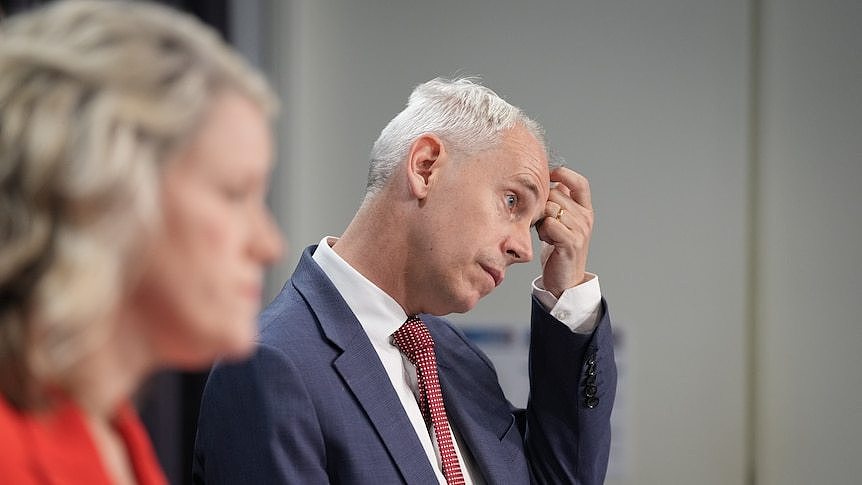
426	157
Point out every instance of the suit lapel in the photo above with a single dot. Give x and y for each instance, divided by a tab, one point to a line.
481	417
363	373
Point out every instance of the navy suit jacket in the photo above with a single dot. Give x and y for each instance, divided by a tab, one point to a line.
315	405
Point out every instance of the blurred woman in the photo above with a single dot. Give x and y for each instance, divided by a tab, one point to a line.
135	150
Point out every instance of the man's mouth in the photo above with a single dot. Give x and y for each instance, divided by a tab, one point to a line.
495	274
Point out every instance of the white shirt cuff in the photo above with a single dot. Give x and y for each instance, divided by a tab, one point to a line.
578	307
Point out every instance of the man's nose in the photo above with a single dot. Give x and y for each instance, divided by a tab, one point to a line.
519	246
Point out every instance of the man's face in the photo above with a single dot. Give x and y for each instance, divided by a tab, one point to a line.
475	222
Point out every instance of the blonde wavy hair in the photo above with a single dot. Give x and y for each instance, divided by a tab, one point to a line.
95	98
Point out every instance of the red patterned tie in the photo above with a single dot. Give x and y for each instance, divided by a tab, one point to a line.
414	341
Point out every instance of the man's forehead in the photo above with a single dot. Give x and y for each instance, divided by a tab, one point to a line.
529	151
533	173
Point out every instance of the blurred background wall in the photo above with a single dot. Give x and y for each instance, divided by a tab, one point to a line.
808	244
722	140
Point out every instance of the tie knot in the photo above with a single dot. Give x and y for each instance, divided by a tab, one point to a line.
412	338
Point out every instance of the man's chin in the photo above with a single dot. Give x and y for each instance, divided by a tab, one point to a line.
461	305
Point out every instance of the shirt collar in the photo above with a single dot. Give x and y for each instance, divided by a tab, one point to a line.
378	313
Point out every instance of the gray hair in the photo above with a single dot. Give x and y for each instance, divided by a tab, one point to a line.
95	98
467	116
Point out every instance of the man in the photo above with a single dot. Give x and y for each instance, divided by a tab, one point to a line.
341	391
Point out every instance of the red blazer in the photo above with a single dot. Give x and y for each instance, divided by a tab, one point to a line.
55	447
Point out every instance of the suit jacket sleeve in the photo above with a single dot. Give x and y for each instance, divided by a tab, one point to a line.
257	425
573	381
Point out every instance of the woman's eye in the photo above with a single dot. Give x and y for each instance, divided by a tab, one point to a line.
234	194
511	201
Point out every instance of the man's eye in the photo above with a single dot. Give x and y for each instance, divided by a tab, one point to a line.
511	201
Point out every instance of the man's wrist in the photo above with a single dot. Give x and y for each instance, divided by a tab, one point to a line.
577	307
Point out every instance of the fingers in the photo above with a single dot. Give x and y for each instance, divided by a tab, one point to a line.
566	228
573	185
570	231
552	208
571	210
569	217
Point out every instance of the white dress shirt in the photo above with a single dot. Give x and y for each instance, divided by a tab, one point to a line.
380	316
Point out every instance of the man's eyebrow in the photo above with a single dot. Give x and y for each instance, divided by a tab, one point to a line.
533	189
526	182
